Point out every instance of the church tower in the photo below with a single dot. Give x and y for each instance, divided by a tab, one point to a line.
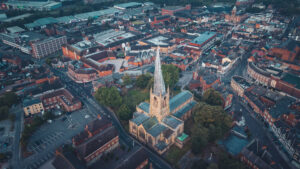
233	12
159	97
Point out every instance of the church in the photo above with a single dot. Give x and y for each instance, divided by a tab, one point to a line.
160	123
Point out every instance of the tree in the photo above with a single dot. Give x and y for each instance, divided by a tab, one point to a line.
212	97
213	166
208	118
170	74
199	164
199	138
4	111
226	161
126	80
12	117
109	96
143	80
8	99
124	112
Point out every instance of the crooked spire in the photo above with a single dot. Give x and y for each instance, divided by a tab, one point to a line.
159	84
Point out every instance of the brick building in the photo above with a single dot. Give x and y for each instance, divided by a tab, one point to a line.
288	51
81	74
239	85
204	79
93	148
61	98
235	17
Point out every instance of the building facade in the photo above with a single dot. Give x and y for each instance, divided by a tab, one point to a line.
33	106
43	48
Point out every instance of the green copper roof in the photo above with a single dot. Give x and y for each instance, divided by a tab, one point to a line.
182	137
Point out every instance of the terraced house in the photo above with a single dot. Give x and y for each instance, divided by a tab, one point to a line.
160	123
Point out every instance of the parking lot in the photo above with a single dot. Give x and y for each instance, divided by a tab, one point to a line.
50	136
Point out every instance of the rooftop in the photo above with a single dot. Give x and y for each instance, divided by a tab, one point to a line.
203	37
179	99
111	36
292	79
144	106
185	109
140	119
30	102
128	5
171	122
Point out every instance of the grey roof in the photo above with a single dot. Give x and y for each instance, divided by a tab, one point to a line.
128	5
140	119
157	129
41	22
171	121
159	84
144	106
31	102
179	99
204	37
185	109
161	145
15	29
149	123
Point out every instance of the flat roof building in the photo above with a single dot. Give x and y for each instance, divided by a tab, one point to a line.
124	6
32	5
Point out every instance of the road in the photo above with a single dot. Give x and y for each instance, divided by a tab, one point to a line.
18	130
256	127
85	96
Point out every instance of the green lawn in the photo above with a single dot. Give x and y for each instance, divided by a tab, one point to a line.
174	154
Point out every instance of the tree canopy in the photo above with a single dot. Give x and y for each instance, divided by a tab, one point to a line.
210	124
170	75
212	97
124	112
143	80
126	80
109	96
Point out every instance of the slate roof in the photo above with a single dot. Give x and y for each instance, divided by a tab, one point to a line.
140	119
161	145
179	99
171	121
185	109
144	106
96	142
149	123
31	102
134	160
67	160
281	107
292	79
157	129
